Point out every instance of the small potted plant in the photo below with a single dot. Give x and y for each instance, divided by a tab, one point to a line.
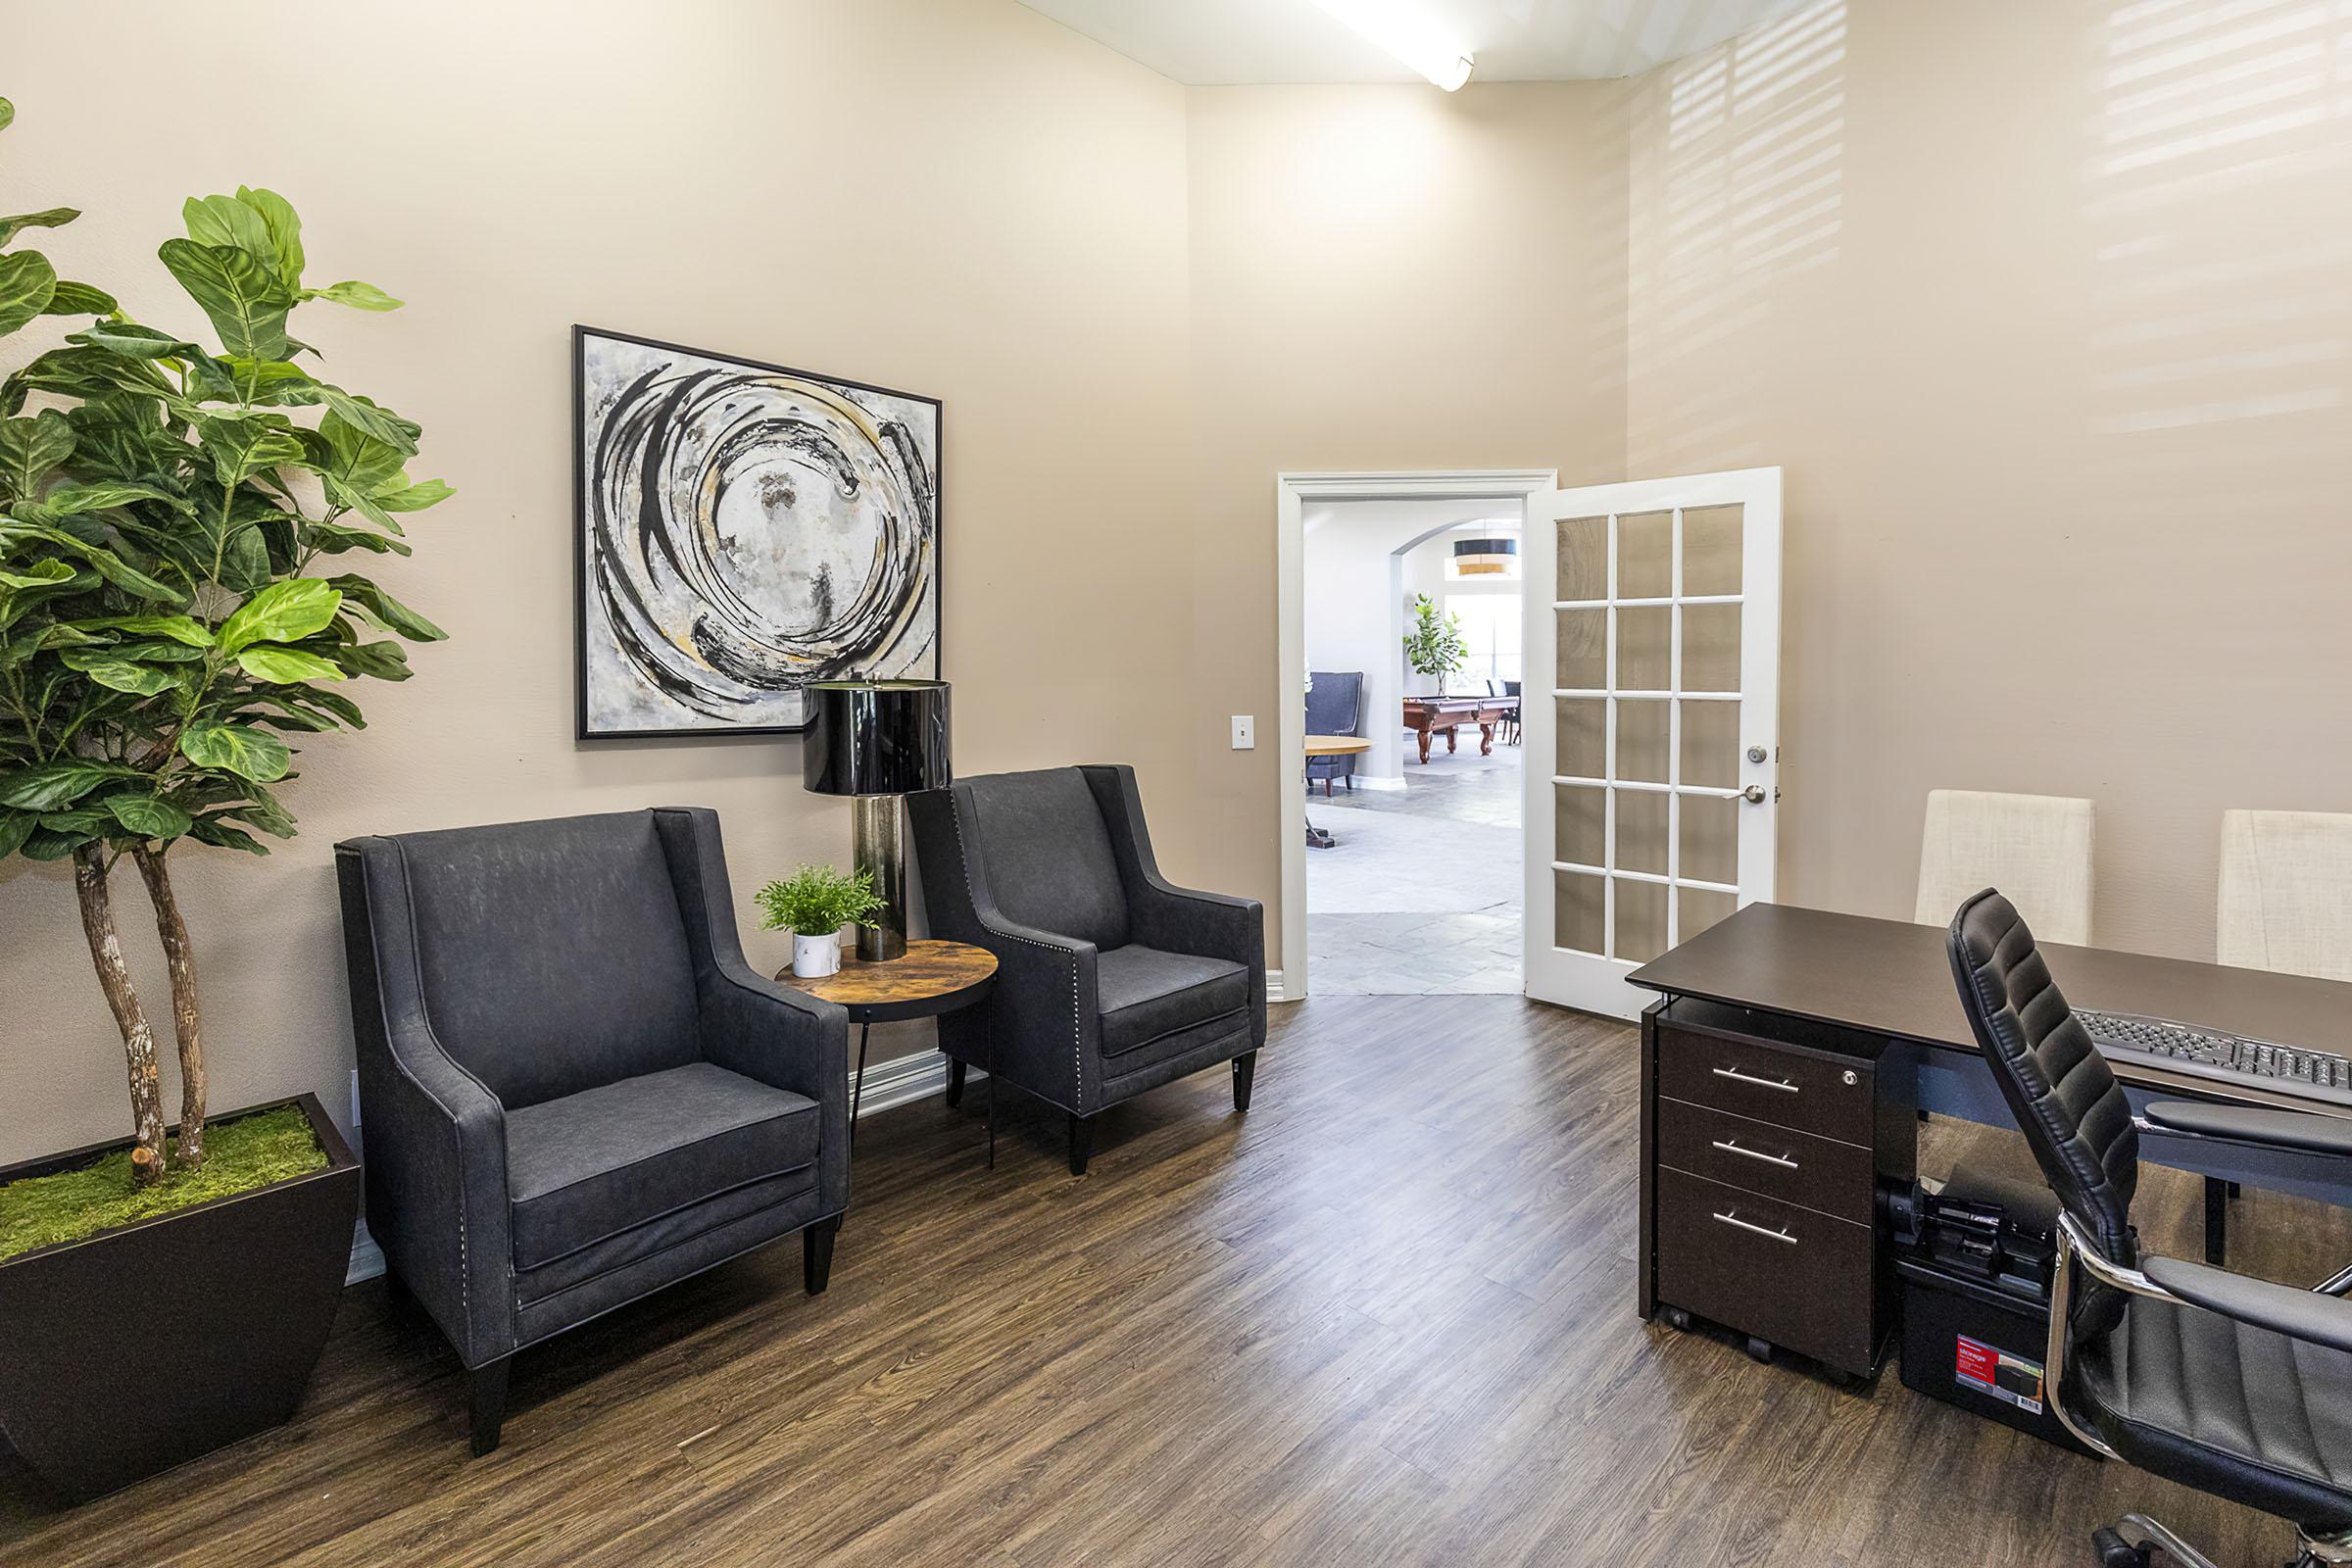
813	904
176	603
1435	647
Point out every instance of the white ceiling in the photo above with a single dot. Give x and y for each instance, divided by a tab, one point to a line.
1222	42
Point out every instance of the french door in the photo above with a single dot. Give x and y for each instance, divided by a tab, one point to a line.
1654	622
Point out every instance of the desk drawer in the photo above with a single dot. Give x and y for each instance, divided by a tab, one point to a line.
1821	1173
1826	1095
1799	1279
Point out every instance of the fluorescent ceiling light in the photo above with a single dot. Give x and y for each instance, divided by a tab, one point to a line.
1405	31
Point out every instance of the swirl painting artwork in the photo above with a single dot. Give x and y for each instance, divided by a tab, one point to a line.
745	529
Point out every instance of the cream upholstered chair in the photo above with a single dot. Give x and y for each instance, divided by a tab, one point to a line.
2286	893
2035	848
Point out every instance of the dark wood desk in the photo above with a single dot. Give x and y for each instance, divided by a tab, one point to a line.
1781	1069
1425	717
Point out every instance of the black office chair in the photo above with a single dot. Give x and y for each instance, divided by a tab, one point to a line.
2232	1385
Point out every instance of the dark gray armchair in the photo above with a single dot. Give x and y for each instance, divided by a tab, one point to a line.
575	1089
1109	981
1335	706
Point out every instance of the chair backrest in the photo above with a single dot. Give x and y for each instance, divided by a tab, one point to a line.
552	954
1335	707
2286	893
1048	853
2035	848
2066	1102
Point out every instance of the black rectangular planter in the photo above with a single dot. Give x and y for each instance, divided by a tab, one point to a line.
138	1349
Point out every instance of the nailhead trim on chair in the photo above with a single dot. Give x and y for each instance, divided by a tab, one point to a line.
1077	1039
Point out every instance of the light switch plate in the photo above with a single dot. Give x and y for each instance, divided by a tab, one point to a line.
1245	732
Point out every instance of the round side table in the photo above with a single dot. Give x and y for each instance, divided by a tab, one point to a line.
929	979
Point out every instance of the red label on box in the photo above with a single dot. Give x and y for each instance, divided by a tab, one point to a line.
2009	1378
1977	1363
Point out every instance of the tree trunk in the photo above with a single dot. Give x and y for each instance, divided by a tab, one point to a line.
186	1023
139	1040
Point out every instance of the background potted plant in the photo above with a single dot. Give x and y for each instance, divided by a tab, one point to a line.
172	521
813	904
1435	646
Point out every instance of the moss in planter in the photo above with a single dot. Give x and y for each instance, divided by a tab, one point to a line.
239	1155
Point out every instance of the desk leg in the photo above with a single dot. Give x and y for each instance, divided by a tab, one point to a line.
858	1085
1645	1288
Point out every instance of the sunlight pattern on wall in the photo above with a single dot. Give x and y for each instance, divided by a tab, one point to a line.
1738	185
2219	191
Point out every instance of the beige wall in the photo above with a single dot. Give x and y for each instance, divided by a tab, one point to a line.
2055	366
953	196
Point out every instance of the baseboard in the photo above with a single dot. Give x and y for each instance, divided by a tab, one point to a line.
887	1085
1274	987
1366	781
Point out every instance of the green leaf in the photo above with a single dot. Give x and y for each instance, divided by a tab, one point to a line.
241	447
283	612
180	628
238	749
245	302
147	817
356	459
8	111
369	419
287	667
26	284
357	295
68	499
121	675
43	845
334	538
136	342
113	568
389	612
416	498
14	828
382	661
211	830
53	217
54	785
217	220
79	299
279	381
285	230
31	448
40	575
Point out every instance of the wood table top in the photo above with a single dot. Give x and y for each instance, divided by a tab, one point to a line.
932	978
1335	745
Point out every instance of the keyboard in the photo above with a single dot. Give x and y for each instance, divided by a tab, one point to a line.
2211	1053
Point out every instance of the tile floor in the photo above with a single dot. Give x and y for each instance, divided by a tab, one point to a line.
1421	895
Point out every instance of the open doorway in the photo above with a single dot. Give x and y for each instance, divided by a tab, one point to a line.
1413	793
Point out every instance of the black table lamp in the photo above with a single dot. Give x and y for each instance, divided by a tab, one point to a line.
875	741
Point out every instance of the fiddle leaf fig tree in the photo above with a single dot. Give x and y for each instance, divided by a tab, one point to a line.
1436	645
175	524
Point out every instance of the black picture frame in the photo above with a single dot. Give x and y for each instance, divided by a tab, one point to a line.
581	334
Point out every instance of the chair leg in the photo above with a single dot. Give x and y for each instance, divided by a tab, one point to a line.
489	1403
954	1082
816	1253
2216	1221
1244	1068
1082	1141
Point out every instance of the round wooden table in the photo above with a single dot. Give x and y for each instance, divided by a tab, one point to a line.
929	979
1331	746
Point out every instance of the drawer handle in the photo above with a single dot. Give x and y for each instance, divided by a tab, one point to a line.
1736	1076
1735	1221
1733	1147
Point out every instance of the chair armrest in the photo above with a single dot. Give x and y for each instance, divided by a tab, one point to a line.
433	1136
2247	1124
2281	1308
1160	914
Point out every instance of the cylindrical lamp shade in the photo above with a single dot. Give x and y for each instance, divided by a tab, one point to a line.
883	737
1483	557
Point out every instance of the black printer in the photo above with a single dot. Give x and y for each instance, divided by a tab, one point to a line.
1974	1259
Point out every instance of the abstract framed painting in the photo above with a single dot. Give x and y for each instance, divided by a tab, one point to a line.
742	531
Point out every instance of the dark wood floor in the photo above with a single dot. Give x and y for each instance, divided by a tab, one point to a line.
1386	1318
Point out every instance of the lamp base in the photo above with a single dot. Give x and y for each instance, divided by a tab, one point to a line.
875	829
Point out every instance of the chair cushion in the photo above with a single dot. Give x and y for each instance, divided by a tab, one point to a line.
593	1164
552	953
1146	993
1046	854
2225	1407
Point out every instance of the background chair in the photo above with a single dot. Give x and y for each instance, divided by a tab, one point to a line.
1109	981
1335	706
2218	1381
576	1092
2038	846
2286	893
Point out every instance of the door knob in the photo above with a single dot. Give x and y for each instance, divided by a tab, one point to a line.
1754	795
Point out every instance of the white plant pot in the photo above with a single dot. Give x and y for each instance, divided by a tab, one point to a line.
815	958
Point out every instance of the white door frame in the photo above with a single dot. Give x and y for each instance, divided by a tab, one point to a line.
1292	492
